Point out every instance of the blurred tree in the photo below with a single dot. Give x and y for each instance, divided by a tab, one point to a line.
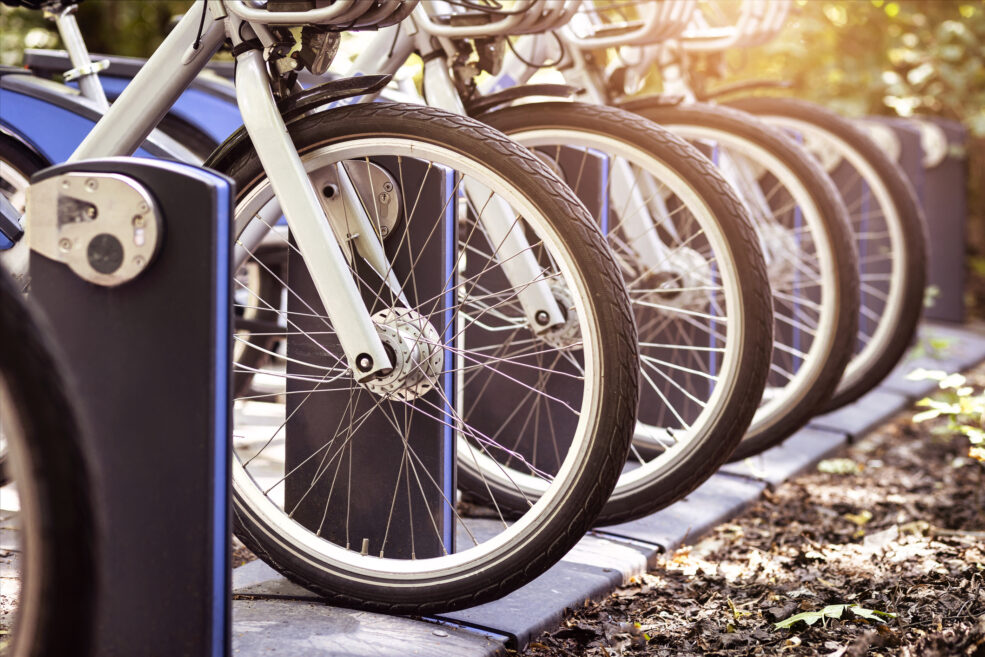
903	57
128	27
117	27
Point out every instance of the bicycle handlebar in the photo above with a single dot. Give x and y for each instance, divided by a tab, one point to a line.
350	14
594	27
480	19
758	22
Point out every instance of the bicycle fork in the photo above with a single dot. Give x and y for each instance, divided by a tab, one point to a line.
317	240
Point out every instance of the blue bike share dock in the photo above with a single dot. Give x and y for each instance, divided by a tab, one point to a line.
117	245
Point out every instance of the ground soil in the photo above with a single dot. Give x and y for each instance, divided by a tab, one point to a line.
904	534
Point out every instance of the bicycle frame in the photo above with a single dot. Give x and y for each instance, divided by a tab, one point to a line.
268	135
171	70
385	53
579	73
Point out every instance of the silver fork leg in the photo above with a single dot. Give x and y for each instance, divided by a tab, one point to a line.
306	219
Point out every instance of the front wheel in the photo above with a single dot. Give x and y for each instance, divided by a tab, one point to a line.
349	487
889	231
696	277
50	570
807	235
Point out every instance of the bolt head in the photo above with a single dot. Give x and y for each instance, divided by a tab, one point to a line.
542	317
388	186
91	185
384	198
364	362
138	261
65	244
384	230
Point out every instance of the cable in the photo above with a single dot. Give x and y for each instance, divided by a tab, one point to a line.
201	27
560	57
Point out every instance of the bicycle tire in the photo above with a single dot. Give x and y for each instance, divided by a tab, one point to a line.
546	538
17	165
59	578
897	326
833	353
715	440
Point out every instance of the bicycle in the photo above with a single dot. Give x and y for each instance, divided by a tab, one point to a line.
682	238
887	221
381	354
808	360
802	223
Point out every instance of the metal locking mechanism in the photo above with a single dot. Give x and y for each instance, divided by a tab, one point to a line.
105	227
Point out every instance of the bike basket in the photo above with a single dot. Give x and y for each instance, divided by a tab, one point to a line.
485	18
615	23
343	14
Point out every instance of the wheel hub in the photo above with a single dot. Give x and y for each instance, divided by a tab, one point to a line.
568	334
683	282
781	249
415	348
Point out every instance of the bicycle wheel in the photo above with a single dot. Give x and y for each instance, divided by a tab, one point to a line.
49	579
17	165
889	234
696	277
810	253
467	363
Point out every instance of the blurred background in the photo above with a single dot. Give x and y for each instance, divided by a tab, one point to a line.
903	58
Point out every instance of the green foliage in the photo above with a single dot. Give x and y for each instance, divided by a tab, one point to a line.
128	27
902	57
959	404
835	611
907	57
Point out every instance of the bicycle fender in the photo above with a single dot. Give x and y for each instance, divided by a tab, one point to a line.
55	119
483	104
294	107
642	102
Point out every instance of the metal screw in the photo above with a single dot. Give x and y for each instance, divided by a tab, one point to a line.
65	244
364	362
91	185
138	261
384	198
388	186
542	317
384	230
138	221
